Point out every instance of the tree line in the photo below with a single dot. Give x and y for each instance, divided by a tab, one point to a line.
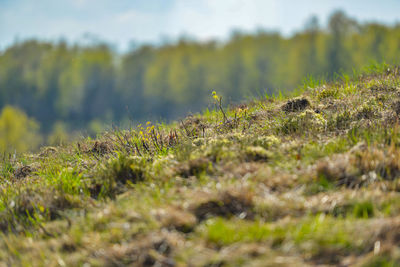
67	87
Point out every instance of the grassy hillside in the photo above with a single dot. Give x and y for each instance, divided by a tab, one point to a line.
302	181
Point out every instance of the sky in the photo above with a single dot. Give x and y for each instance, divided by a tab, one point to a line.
124	22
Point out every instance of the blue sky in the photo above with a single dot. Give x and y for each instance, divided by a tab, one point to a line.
121	21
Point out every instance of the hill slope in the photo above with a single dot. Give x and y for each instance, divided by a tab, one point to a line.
311	180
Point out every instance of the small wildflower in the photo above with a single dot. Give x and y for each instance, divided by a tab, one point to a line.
215	96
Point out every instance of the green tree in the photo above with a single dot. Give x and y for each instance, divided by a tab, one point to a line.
18	132
130	83
80	84
340	27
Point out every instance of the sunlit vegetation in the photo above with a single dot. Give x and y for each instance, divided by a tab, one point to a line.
303	180
18	133
69	87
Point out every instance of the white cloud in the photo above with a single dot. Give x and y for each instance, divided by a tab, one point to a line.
214	18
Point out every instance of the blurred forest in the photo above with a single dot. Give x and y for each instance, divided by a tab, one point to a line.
63	88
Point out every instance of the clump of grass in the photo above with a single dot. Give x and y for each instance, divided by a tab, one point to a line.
314	234
330	92
313	150
227	204
7	168
381	85
117	174
366	112
341	121
359	168
304	122
101	148
336	171
296	105
396	107
381	261
266	141
220	149
363	210
358	209
222	232
195	167
257	153
33	206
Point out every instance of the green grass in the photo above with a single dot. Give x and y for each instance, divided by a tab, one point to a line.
277	181
311	234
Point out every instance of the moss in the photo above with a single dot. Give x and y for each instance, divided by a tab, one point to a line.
306	121
266	141
219	149
328	93
257	153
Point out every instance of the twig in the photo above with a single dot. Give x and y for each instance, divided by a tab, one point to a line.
222	110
